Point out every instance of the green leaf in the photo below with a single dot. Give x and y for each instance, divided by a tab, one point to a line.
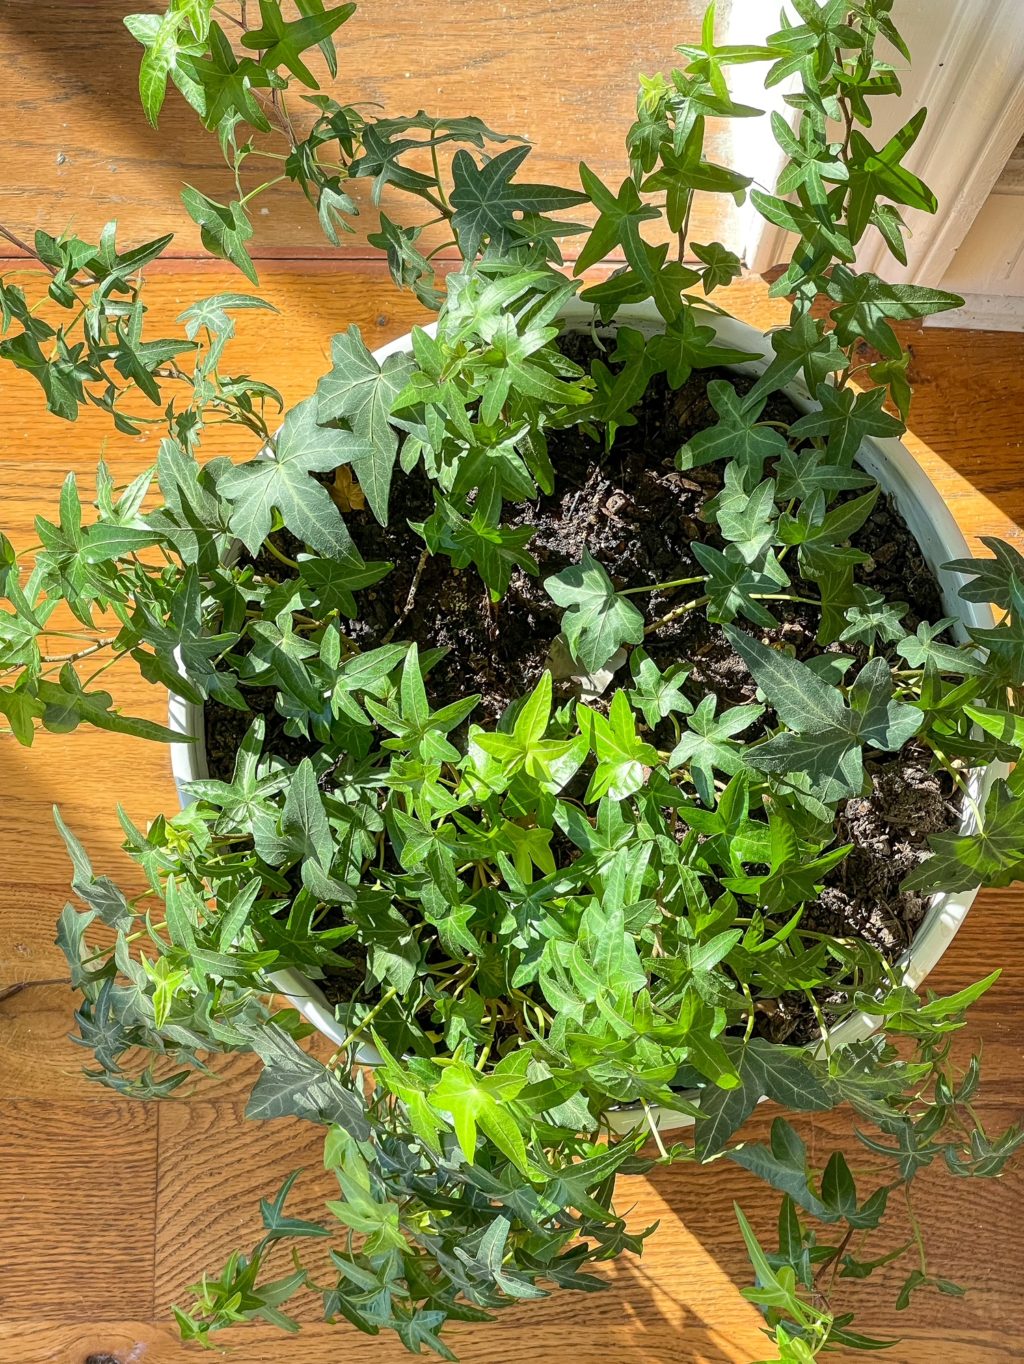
865	305
657	694
481	539
486	202
282	43
709	746
784	1166
282	483
597	621
926	647
737	436
295	1084
164	44
733	586
225	84
845	419
475	1100
721	266
684	346
993	856
361	391
619	224
806	348
108	540
827	733
224	229
878	175
621	755
278	1225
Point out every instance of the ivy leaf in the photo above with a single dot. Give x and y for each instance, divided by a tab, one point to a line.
281	43
737	436
480	538
733	585
827	734
476	1100
621	755
223	228
619	224
630	286
163	43
684	346
721	266
282	483
486	202
995	579
278	1225
332	582
926	647
878	175
304	820
823	238
793	877
687	172
993	856
806	348
873	619
225	82
657	694
784	1166
295	1084
801	475
98	892
811	161
598	620
709	746
409	268
845	419
746	519
790	1076
361	390
866	305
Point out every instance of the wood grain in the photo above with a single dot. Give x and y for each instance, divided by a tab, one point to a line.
77	1185
563	75
110	1209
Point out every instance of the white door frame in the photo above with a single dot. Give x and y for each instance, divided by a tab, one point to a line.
969	71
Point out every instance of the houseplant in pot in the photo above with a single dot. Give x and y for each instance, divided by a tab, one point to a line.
572	696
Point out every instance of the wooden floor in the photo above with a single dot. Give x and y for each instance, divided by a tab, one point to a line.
109	1209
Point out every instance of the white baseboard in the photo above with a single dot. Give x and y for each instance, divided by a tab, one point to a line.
984	312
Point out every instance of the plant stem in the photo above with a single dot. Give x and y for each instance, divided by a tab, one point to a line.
9	991
82	653
357	1031
654	1129
675	614
663	587
24	246
281	557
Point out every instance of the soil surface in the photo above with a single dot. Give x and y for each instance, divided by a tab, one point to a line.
638	515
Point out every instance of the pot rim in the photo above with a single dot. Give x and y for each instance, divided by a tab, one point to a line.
940	540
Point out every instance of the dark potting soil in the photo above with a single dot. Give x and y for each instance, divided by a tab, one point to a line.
638	516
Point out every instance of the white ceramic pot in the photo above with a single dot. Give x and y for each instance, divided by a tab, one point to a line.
940	539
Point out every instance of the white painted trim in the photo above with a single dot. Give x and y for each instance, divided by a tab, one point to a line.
969	72
985	313
753	150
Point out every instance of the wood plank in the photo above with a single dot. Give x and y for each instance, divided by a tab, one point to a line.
657	1295
77	1186
78	146
643	1299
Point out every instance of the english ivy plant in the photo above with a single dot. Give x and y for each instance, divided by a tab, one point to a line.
562	930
